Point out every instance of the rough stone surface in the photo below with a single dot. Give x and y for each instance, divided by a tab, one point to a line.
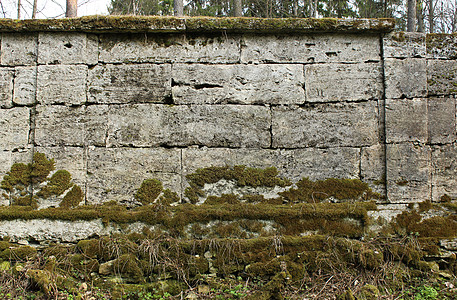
14	128
449	244
6	87
62	84
442	77
441	120
25	83
405	78
408	172
69	121
67	48
338	82
406	120
129	83
8	158
19	49
373	168
324	125
243	84
444	171
442	46
107	179
206	125
404	45
386	212
141	47
319	48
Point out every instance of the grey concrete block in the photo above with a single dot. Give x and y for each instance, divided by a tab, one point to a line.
143	47
404	45
442	77
242	84
310	48
25	85
19	49
441	120
6	87
62	84
14	128
405	78
108	180
129	83
67	48
408	173
444	171
59	126
406	120
338	82
326	125
442	46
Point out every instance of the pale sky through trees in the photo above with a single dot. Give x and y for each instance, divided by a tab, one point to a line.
52	8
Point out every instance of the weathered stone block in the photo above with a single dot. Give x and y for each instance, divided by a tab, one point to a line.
404	45
96	125
326	125
373	167
25	83
67	48
129	83
444	171
310	48
59	126
385	213
6	87
116	174
442	46
338	82
8	158
19	49
406	78
292	164
408	173
441	120
14	128
62	84
143	47
242	84
442	77
406	120
206	125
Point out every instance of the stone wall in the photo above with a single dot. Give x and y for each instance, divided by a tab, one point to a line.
116	103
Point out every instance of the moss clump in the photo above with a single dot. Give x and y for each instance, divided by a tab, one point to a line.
149	190
225	198
438	226
340	189
127	266
59	182
73	198
20	253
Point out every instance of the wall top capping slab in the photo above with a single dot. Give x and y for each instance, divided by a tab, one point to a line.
197	24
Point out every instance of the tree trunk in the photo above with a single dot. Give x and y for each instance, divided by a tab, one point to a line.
178	8
18	9
431	13
420	17
295	8
72	9
238	8
411	25
34	9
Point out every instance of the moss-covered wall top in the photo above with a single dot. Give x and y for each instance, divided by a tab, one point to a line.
197	24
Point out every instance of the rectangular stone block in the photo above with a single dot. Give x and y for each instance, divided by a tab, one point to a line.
404	45
442	77
406	120
340	82
442	46
62	84
6	87
444	171
292	164
441	120
14	128
59	125
19	49
129	83
164	125
240	84
326	125
373	167
144	47
408	173
67	48
71	159
405	78
25	84
310	48
116	174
